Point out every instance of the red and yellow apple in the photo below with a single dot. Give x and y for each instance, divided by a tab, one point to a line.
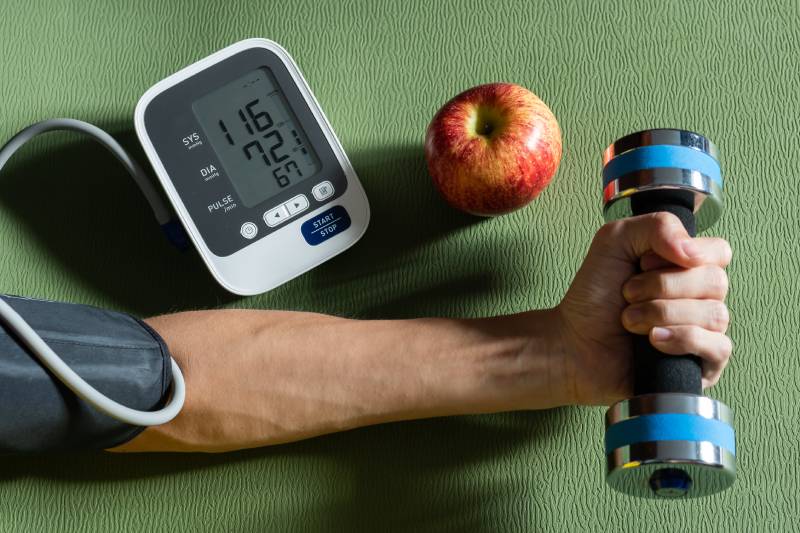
493	148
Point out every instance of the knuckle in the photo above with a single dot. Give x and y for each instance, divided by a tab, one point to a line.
608	231
727	349
659	311
727	251
664	222
603	235
664	286
720	316
717	280
692	338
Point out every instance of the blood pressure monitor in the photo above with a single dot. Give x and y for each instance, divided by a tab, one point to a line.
252	167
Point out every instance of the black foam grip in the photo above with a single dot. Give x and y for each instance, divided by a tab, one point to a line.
655	371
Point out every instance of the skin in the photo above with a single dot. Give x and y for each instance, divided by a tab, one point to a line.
256	378
493	148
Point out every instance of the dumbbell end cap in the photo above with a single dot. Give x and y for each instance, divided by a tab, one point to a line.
670	445
670	483
663	159
660	137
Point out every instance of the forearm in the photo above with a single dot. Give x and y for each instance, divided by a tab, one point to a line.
256	378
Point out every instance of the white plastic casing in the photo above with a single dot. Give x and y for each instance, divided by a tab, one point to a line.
283	255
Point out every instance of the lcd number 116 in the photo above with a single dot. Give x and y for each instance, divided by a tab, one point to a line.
261	123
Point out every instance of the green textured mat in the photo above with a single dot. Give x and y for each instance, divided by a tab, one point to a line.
380	70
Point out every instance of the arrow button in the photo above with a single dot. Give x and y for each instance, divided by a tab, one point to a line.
276	216
298	204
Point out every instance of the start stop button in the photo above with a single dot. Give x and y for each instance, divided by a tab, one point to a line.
322	227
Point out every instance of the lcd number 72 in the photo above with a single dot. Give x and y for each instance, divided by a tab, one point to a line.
261	123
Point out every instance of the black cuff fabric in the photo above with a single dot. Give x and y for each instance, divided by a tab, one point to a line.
118	354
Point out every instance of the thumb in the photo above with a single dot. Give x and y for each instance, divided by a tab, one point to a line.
661	233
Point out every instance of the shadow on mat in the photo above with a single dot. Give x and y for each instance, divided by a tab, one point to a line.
406	213
95	223
380	472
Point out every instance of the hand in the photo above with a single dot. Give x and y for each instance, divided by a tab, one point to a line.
677	299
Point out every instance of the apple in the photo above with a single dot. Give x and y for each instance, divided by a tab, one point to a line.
493	148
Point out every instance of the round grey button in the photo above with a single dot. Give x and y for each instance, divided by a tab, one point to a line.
249	230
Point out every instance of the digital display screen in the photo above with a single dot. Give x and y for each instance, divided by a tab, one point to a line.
261	146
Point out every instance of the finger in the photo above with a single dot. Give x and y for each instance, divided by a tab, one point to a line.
711	381
711	315
716	251
720	254
651	261
712	347
711	375
630	238
663	234
704	282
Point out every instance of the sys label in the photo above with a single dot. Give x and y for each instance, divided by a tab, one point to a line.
325	225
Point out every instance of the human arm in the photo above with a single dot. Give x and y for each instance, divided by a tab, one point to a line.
256	378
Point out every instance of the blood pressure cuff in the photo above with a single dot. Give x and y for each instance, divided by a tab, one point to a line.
117	354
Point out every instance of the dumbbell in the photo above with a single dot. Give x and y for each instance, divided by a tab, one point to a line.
669	440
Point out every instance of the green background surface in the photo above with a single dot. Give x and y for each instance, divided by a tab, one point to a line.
73	227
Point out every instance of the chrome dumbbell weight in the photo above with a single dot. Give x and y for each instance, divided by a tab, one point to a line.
668	441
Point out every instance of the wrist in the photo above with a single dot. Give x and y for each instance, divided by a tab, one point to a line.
528	365
562	357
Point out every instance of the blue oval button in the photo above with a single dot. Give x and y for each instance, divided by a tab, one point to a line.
325	225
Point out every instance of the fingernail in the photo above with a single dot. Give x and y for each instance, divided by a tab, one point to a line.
691	249
661	334
633	315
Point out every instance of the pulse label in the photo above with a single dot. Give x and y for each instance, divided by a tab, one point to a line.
224	204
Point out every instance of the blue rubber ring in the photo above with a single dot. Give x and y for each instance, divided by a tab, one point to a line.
685	427
662	156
